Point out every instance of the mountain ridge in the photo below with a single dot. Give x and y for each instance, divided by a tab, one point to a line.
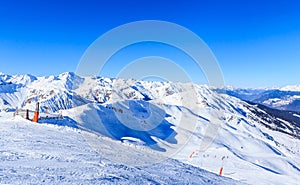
172	120
278	98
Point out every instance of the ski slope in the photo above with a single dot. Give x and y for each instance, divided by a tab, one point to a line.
129	131
49	154
242	147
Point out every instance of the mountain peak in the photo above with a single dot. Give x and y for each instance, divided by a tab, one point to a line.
71	79
23	79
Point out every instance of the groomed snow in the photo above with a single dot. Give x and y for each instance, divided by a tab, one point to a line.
49	154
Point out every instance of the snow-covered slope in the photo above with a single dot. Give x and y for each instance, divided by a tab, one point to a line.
50	154
151	122
246	143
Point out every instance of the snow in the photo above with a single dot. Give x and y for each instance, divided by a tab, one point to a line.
286	98
139	132
297	115
42	153
248	147
281	102
291	88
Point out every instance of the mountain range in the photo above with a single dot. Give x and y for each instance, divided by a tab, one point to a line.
285	98
134	125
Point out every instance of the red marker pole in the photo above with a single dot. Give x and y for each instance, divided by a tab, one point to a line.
36	113
221	171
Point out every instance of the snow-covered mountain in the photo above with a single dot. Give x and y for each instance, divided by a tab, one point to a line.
286	98
291	88
167	127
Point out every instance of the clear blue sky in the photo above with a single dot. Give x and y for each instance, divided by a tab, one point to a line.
257	43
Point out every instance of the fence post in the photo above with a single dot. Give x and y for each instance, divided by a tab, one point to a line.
27	114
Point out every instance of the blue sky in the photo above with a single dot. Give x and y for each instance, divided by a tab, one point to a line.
256	43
